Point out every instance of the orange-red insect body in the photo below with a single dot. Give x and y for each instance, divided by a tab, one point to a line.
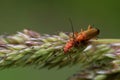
68	45
80	37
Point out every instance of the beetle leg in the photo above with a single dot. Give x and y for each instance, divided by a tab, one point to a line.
76	34
89	27
81	30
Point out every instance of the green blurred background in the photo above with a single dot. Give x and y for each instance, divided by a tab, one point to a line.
51	16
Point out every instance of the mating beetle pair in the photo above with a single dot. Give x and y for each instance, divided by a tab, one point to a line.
80	37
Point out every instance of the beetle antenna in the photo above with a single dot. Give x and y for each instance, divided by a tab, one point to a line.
71	26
